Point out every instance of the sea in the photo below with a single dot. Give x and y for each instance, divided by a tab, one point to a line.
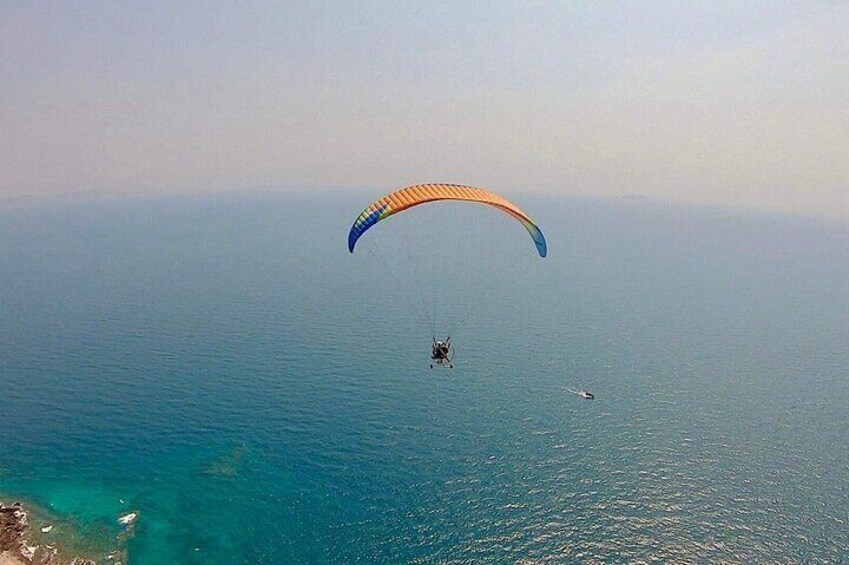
223	366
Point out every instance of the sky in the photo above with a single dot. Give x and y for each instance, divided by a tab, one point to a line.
736	103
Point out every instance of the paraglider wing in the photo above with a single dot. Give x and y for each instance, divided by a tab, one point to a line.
420	194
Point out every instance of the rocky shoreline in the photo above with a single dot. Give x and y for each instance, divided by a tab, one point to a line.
27	541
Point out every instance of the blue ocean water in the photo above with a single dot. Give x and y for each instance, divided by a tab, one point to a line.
222	365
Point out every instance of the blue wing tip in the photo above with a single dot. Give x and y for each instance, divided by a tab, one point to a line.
539	240
352	240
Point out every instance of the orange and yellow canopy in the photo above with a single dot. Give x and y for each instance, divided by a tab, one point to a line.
422	193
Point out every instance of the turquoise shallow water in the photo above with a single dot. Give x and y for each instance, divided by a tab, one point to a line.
224	366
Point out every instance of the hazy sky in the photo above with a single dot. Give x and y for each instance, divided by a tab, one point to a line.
741	103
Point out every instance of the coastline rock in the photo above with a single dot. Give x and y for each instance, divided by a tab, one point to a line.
28	551
17	547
